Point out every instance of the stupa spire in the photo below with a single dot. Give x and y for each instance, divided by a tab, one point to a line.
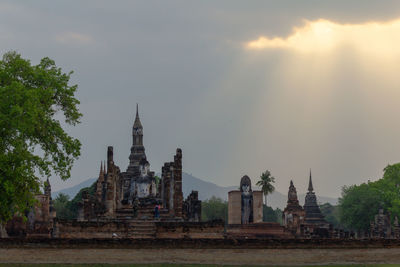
310	186
137	150
102	172
137	123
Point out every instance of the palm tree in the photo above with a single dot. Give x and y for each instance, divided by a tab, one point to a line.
265	182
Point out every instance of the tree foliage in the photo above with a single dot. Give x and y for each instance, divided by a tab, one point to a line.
68	209
60	204
271	215
213	209
33	143
265	182
360	203
331	214
216	208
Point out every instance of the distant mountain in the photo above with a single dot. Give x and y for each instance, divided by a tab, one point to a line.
72	191
207	190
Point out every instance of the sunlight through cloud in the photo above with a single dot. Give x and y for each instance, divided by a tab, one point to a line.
324	35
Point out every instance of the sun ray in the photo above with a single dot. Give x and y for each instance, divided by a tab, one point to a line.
323	35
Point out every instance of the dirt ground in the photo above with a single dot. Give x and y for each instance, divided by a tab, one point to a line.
203	256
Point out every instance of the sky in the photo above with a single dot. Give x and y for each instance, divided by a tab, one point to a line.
240	86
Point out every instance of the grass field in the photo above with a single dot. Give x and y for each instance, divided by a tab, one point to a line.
198	257
175	265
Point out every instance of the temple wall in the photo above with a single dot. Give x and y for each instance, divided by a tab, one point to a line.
178	230
39	221
257	206
258	230
77	230
41	210
234	207
108	229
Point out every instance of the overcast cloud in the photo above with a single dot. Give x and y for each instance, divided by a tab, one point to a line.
232	110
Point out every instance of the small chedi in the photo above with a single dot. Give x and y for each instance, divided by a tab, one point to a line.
307	221
382	227
314	221
293	215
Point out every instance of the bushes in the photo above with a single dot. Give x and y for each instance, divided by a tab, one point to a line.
359	203
68	209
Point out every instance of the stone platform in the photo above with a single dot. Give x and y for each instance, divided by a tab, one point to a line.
137	229
258	230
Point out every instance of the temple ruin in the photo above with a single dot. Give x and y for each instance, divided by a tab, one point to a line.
307	221
133	194
245	215
293	215
136	204
245	205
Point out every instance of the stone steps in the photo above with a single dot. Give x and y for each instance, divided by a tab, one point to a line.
142	229
143	214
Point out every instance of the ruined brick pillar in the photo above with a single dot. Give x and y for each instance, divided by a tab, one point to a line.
165	185
100	183
110	188
178	194
171	176
171	186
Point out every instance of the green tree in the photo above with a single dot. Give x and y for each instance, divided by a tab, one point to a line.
60	204
214	209
158	179
389	188
68	209
73	205
331	214
358	205
33	143
265	182
271	215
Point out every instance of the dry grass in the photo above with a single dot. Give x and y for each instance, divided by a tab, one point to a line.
198	257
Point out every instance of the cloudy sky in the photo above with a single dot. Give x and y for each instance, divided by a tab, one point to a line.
240	86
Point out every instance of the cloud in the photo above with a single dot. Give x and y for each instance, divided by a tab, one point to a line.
324	35
74	38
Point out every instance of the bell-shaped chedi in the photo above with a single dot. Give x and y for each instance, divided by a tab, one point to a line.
313	212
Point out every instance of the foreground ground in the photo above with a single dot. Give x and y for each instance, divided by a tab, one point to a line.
161	265
202	256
